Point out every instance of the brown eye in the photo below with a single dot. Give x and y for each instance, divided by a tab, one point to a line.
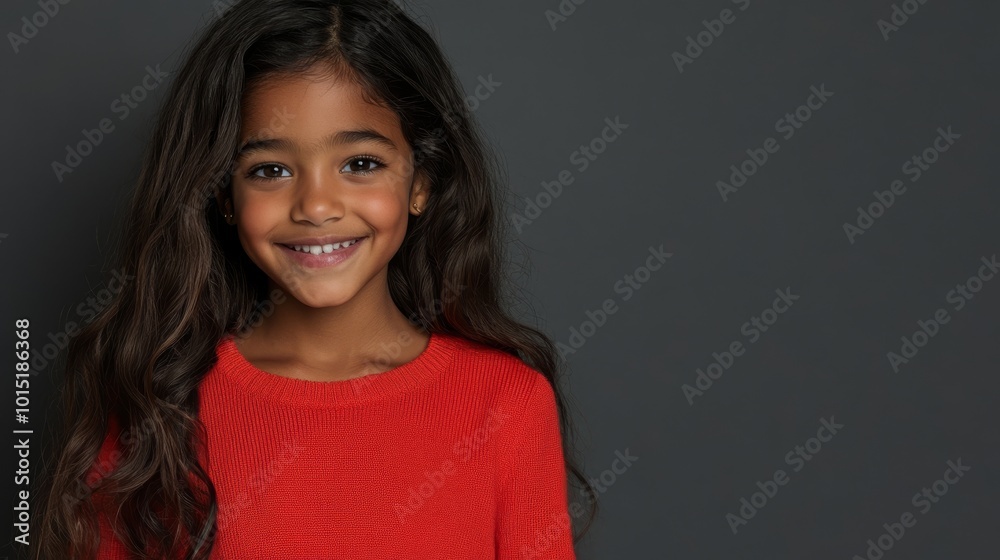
269	170
359	165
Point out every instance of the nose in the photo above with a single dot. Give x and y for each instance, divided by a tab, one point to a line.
318	197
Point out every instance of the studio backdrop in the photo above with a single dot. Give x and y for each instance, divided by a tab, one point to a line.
763	234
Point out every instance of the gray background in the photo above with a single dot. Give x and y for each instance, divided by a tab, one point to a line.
656	185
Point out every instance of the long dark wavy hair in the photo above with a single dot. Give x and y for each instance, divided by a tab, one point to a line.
141	360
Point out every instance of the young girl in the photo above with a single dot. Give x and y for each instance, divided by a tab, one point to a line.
312	358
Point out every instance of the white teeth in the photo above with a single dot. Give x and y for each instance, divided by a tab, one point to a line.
329	248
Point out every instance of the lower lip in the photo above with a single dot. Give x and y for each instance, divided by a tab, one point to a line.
323	259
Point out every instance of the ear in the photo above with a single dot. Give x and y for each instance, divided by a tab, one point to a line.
419	192
221	196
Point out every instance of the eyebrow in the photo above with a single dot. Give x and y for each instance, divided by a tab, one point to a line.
341	138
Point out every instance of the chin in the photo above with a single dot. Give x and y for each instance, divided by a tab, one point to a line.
325	299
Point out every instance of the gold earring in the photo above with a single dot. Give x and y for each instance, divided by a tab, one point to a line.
415	208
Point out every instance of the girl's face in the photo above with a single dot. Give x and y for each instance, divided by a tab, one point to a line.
319	164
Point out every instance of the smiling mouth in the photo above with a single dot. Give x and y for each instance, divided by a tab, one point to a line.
321	249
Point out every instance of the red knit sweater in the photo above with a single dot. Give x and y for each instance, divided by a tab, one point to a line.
454	455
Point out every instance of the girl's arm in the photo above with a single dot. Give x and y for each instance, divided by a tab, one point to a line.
533	518
110	548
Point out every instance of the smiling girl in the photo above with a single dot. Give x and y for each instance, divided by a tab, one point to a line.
314	359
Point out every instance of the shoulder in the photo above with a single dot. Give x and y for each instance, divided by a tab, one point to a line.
499	380
492	366
506	405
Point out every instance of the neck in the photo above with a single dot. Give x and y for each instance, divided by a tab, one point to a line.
367	334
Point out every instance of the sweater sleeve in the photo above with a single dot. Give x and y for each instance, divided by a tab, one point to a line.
109	548
533	520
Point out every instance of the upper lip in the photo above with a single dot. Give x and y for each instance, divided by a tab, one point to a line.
326	240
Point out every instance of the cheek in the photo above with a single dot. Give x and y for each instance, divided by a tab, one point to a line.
384	209
256	216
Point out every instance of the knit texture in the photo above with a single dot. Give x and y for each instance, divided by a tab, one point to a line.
453	455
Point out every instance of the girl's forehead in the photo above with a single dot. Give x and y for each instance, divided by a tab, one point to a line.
318	94
317	81
302	104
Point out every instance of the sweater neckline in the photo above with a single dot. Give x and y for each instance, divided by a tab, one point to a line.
435	358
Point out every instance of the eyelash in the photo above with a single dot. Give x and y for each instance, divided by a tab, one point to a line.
252	172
